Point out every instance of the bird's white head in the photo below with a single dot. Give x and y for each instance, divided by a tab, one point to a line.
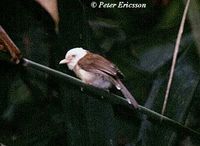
73	56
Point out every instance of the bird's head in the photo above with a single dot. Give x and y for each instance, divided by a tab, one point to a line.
73	56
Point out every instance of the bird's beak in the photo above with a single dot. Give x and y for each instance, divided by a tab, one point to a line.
64	61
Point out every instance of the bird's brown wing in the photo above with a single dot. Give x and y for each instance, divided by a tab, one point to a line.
91	62
99	65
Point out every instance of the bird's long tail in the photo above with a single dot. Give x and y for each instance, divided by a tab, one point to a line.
127	94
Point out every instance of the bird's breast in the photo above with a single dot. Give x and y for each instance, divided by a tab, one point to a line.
96	80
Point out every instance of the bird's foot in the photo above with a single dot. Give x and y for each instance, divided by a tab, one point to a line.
107	90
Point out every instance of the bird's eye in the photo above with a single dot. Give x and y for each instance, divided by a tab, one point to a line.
73	55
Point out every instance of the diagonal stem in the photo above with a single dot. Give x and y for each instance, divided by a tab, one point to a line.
111	97
176	49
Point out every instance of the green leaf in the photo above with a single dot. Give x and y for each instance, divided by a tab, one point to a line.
184	85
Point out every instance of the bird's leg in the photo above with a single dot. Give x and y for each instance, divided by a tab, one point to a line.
86	82
107	90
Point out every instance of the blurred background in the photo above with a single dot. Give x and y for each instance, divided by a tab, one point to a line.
37	109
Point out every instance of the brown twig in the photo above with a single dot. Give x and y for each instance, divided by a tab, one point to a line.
6	44
176	49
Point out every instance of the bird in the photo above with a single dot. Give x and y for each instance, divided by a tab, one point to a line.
95	70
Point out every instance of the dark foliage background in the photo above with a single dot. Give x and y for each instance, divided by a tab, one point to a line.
37	109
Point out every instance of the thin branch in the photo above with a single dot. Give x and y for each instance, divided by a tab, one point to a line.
175	56
109	96
8	45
